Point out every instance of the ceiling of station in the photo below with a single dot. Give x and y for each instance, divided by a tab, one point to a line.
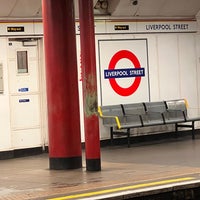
144	9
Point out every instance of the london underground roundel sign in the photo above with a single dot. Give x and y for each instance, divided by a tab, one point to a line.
136	72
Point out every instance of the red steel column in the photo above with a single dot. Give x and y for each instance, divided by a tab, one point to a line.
88	61
62	84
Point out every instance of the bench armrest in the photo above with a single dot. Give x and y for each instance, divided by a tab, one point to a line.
109	120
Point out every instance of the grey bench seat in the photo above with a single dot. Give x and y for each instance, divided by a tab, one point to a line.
173	116
130	121
148	117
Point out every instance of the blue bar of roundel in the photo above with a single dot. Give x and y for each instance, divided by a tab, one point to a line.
124	73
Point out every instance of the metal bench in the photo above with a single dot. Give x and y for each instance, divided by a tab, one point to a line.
121	118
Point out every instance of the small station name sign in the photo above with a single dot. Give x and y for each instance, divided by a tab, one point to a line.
15	29
121	27
163	27
167	27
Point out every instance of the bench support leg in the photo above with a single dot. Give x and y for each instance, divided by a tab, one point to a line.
187	126
128	137
176	130
111	135
193	134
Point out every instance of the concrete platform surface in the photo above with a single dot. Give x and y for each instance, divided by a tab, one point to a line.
144	167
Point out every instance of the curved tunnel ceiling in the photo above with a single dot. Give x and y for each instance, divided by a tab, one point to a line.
145	9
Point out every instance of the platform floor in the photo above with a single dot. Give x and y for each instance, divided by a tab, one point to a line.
144	167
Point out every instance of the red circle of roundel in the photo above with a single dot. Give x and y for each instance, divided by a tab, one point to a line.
118	89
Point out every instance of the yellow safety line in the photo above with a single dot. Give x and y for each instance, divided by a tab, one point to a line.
100	192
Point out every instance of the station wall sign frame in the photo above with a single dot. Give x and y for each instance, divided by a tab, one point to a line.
124	71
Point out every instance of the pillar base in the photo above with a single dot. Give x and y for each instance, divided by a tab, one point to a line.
93	164
65	163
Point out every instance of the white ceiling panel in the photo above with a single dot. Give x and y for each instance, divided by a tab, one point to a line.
6	7
150	7
180	8
26	8
158	8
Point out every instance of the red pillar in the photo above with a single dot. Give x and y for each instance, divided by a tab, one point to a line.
88	61
62	84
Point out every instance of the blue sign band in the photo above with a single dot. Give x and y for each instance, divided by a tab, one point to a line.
23	90
124	73
24	100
